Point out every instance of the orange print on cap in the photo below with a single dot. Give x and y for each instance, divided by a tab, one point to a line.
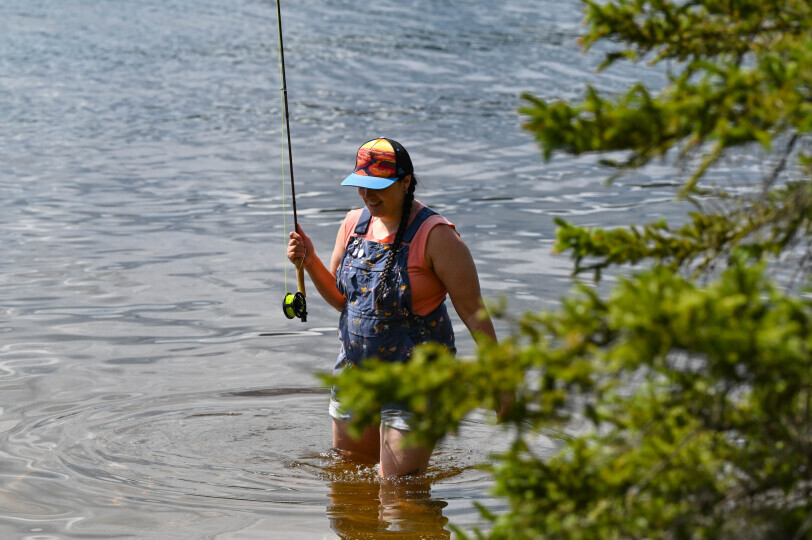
376	158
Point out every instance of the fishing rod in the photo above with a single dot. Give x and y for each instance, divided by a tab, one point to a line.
293	305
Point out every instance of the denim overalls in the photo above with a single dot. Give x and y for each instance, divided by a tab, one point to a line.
389	334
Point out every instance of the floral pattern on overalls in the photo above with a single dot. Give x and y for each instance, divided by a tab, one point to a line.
391	333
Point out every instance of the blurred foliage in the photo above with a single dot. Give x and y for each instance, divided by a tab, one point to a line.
697	400
683	408
769	226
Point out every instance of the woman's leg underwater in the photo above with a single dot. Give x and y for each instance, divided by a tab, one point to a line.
401	461
365	450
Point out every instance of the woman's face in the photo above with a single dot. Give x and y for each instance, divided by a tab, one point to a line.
385	203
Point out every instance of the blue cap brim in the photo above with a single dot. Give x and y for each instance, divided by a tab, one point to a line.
369	182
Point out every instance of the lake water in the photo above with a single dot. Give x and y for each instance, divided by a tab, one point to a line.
150	386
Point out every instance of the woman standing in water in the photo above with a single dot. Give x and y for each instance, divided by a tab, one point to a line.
393	264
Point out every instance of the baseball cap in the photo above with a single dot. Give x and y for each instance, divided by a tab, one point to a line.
379	163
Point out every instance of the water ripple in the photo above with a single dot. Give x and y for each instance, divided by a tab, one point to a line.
241	449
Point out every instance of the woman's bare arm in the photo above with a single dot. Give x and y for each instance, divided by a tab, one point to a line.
301	247
451	260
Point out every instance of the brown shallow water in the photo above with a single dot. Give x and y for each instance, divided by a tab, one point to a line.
149	385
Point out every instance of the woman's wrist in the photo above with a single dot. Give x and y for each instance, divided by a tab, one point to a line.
310	261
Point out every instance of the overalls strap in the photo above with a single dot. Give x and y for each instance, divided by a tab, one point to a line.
363	222
418	220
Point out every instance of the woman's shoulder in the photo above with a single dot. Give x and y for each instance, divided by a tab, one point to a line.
432	220
436	227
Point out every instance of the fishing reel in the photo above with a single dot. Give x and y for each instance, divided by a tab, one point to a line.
295	305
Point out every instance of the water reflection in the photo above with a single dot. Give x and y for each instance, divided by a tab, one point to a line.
364	506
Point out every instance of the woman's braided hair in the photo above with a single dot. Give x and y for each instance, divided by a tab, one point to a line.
383	286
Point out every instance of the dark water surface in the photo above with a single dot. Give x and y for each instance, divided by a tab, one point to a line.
149	385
